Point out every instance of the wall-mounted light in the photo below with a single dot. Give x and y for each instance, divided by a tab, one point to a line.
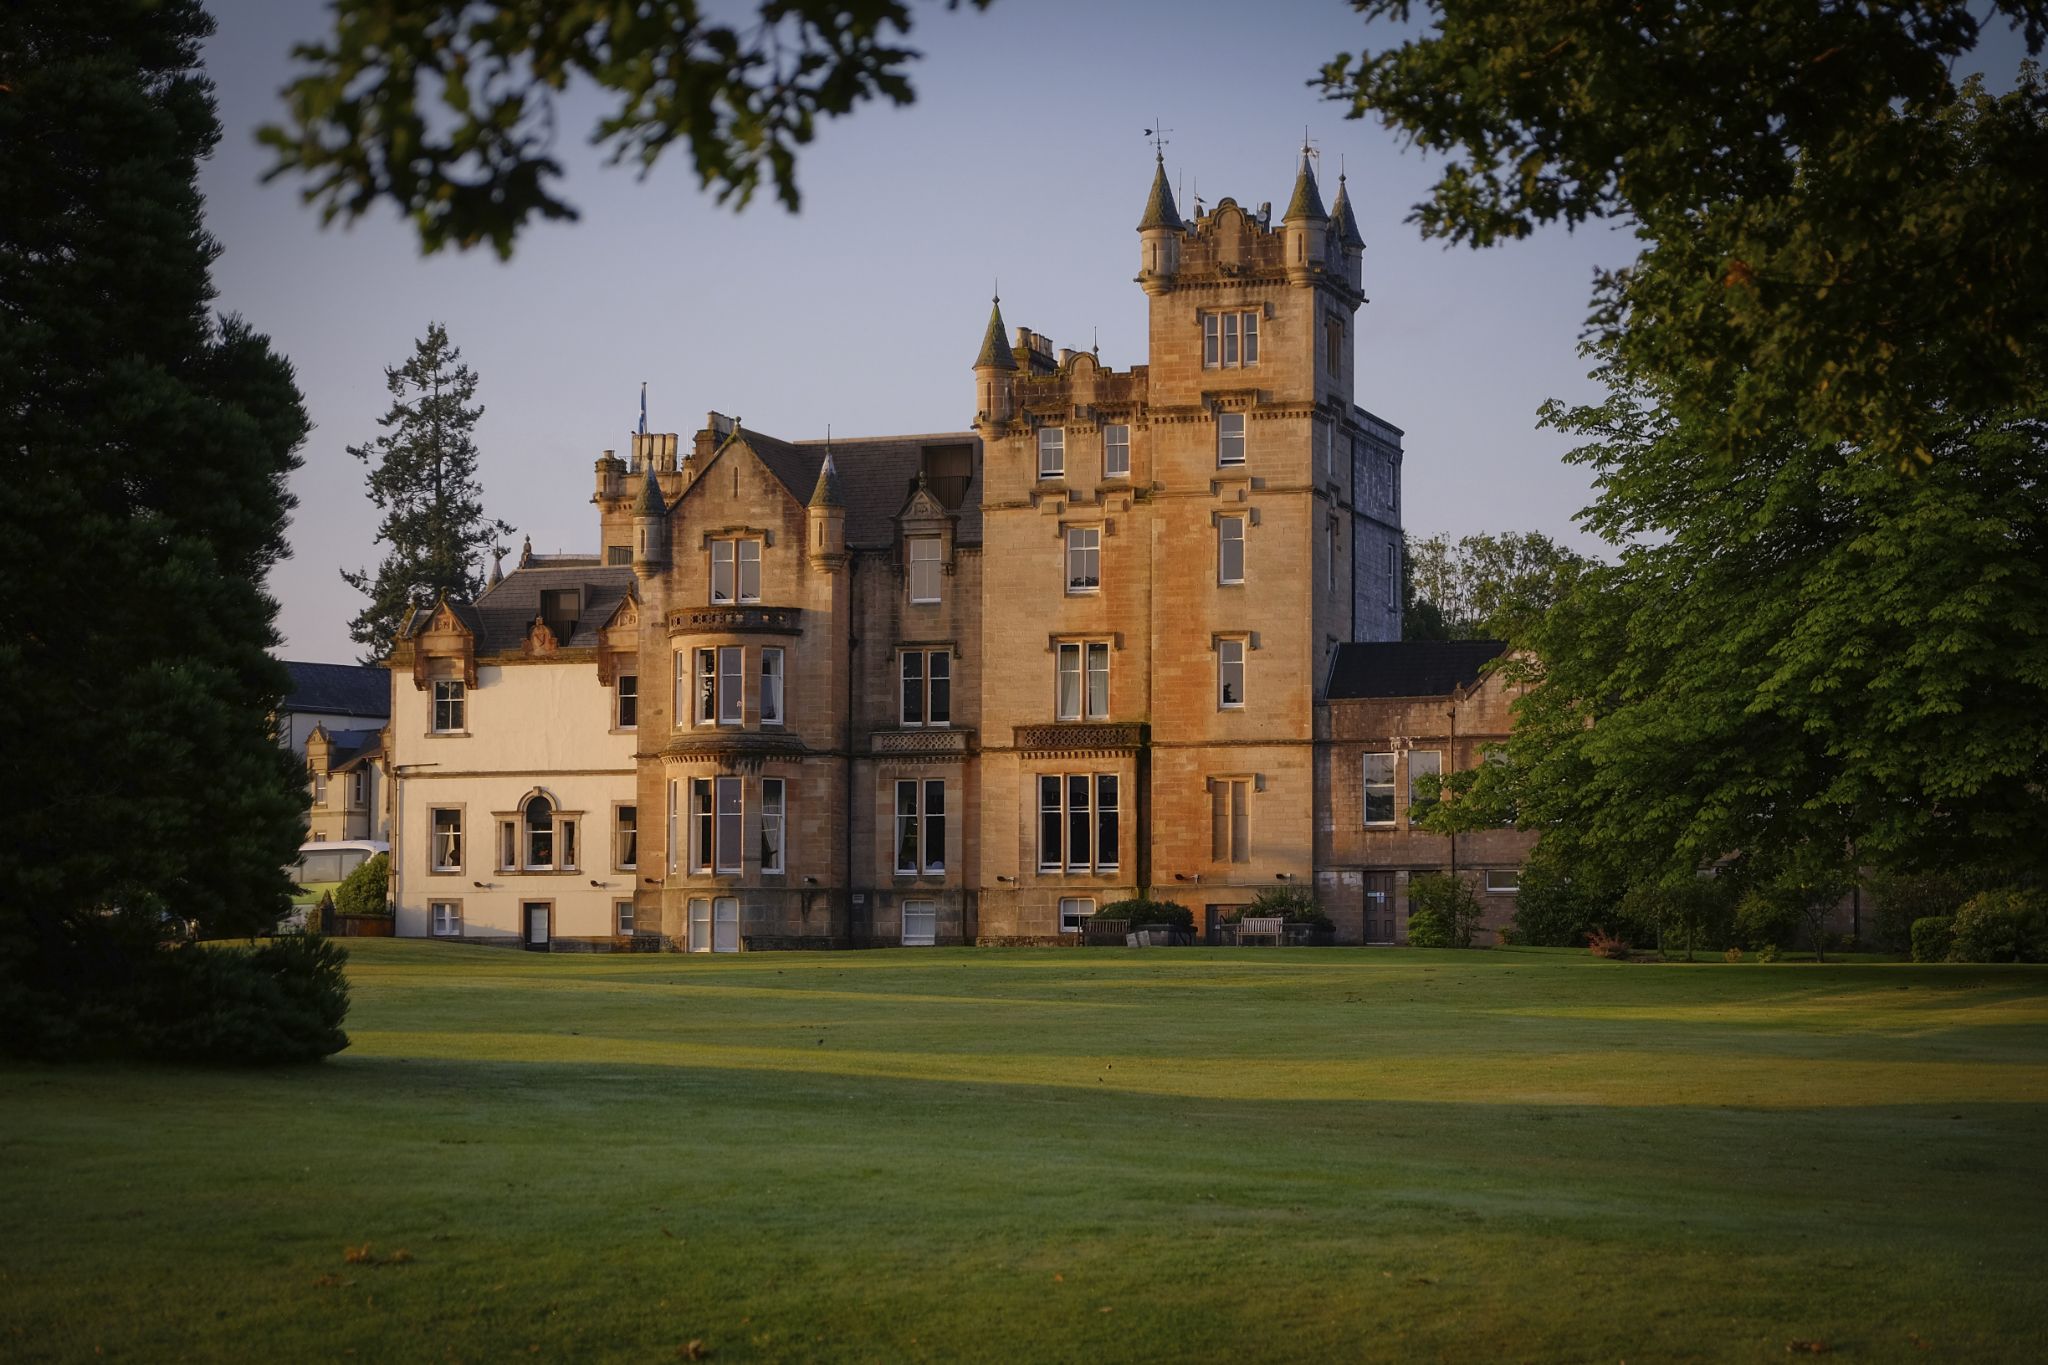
478	885
595	882
1001	878
810	881
1283	876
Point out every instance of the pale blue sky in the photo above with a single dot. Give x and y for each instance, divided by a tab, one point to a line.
1023	158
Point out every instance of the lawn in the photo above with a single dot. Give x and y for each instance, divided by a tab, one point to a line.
1265	1154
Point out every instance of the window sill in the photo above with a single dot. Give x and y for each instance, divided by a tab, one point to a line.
624	730
446	734
444	872
1378	824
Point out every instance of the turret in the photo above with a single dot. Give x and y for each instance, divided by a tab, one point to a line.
995	373
826	515
1159	235
1306	226
650	526
1345	226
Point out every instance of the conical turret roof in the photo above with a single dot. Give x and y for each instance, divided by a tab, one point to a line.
1159	209
826	494
1308	200
651	503
1341	215
995	345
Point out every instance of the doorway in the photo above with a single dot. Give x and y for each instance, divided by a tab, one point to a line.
1379	908
537	922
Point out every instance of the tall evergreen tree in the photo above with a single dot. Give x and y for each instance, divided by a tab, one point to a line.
144	445
423	479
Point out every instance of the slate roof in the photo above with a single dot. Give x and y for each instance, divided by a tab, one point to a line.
876	475
1409	668
501	617
351	747
1341	214
338	689
995	343
1159	209
1308	200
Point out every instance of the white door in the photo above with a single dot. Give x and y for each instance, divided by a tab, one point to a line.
537	925
700	926
920	924
725	925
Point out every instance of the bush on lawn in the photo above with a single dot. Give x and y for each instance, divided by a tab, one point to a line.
1553	908
1140	912
2007	925
1764	920
1932	937
1442	911
362	892
109	988
1900	901
1603	944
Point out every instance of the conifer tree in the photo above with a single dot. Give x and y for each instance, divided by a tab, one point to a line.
144	446
423	479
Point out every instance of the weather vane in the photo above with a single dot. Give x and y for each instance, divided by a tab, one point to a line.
1157	133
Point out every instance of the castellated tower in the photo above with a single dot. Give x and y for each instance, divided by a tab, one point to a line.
1178	550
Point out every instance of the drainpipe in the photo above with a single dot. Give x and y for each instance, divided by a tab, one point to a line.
1450	766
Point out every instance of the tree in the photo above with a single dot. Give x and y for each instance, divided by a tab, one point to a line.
1809	217
1482	586
447	108
424	482
146	444
1793	658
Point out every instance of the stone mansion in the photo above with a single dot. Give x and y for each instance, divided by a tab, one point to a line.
959	687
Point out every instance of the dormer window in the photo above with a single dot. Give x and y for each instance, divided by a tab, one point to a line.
559	610
925	568
735	571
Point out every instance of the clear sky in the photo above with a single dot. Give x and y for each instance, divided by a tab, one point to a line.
1023	158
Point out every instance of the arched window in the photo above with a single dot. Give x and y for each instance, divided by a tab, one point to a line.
539	818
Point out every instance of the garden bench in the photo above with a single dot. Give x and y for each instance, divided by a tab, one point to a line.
1272	927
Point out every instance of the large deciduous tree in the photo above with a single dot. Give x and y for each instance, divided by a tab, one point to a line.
1482	586
1807	214
1796	659
146	444
423	479
449	108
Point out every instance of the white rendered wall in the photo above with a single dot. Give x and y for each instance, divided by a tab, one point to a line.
544	725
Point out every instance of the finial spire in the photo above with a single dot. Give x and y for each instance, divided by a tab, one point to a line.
1341	216
826	493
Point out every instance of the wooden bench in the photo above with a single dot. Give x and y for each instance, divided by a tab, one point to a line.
1266	926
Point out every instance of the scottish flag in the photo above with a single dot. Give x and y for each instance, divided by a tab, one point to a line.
643	407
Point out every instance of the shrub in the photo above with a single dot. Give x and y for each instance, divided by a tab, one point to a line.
1732	955
1446	909
1141	911
362	892
282	1000
1554	909
1767	953
1933	935
1429	929
2006	925
1763	920
110	988
1603	944
1294	904
1901	900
